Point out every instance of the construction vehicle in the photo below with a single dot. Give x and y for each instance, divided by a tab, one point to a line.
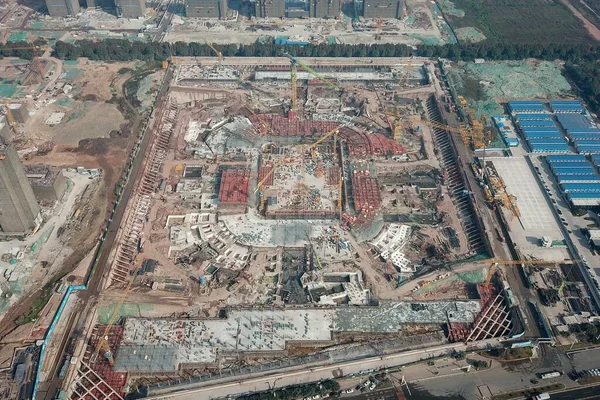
494	264
217	52
165	64
10	117
314	252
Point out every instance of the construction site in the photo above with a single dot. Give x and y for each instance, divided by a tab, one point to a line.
271	190
286	207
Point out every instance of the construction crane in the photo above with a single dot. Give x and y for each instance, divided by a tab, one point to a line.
280	161
262	121
103	340
494	264
404	76
34	66
311	71
10	117
218	53
314	252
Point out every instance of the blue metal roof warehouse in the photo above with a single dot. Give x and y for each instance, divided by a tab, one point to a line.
583	170
585	137
544	135
567	157
541	147
583	199
581	187
540	129
526	106
566	106
533	124
578	179
574	121
533	117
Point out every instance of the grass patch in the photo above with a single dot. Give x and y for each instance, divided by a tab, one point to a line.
521	21
38	304
18	37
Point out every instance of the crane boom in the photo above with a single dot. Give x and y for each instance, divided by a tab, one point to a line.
10	118
217	52
311	71
278	162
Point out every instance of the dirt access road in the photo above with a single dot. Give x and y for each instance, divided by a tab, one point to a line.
110	155
591	28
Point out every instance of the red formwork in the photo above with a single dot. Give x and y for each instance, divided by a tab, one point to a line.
333	175
365	192
458	331
234	186
369	144
265	173
278	125
100	365
487	294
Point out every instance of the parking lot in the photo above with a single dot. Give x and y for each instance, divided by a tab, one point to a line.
571	224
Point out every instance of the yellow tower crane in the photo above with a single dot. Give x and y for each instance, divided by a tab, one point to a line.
217	52
295	62
103	340
260	184
10	118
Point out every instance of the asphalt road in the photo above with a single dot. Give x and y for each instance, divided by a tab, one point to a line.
383	394
587	393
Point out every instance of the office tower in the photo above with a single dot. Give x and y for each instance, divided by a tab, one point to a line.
206	8
270	8
382	8
19	210
131	8
62	8
324	8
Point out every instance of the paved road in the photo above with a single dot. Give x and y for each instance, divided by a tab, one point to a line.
587	393
306	374
383	394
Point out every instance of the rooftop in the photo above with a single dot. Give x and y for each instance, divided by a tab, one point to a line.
162	344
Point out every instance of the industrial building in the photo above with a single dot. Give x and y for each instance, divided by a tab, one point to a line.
48	184
19	210
382	8
62	8
206	8
110	4
161	345
131	8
